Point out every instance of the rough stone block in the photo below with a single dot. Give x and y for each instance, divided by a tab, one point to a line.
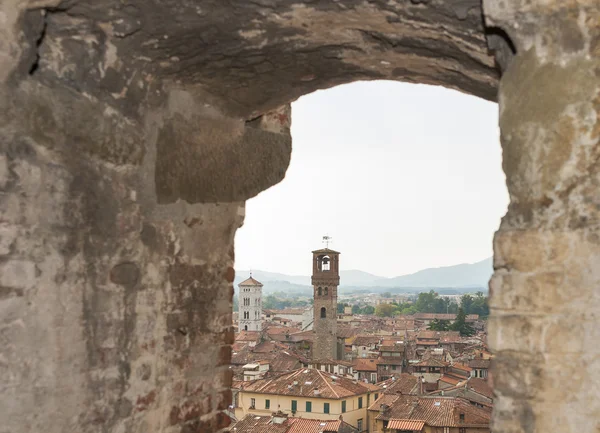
17	274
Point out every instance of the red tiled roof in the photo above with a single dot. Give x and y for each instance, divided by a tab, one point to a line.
435	411
403	384
248	336
304	425
462	367
365	364
449	379
304	382
480	386
250	282
264	424
428	343
479	363
405	424
366	340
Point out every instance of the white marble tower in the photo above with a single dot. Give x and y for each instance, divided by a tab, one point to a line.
250	302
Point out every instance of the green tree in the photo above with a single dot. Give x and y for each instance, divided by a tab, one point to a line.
427	302
369	310
384	310
466	303
340	307
439	325
461	325
355	309
410	309
480	305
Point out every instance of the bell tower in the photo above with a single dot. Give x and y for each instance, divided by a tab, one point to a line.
325	281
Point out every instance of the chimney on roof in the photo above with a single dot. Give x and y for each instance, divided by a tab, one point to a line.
383	408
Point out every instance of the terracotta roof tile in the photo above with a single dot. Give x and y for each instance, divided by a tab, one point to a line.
365	364
304	382
250	282
405	424
479	363
436	411
403	384
480	386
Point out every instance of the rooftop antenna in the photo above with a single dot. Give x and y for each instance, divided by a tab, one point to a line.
326	240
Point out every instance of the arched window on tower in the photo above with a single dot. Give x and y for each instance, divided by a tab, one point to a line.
323	312
319	291
323	263
326	291
245	327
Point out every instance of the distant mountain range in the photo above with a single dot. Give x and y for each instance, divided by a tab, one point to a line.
461	278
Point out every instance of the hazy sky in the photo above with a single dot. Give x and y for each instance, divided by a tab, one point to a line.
402	176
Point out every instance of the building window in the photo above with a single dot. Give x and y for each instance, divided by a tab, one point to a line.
462	417
320	291
376	396
323	312
326	291
374	379
308	406
267	404
359	424
360	402
294	405
343	406
325	407
252	403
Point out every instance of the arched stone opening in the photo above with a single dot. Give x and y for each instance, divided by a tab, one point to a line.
132	134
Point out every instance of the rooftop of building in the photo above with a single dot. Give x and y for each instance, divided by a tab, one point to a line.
281	423
435	411
308	382
325	251
251	282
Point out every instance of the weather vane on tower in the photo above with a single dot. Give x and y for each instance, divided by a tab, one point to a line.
326	240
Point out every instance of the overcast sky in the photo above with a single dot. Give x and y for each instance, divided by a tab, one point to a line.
402	176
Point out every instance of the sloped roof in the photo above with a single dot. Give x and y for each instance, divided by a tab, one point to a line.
366	340
462	367
405	424
258	424
304	425
365	364
264	424
450	379
480	386
250	282
308	380
326	251
435	411
479	363
248	336
403	384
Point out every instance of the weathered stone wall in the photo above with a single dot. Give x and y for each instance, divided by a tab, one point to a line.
325	329
132	133
115	294
545	300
